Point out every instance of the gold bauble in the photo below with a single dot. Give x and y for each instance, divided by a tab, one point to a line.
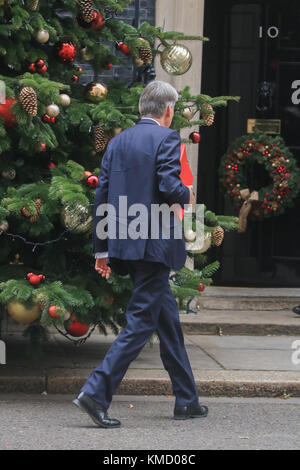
96	91
9	174
176	59
42	36
86	54
21	314
76	218
64	100
4	225
52	110
189	112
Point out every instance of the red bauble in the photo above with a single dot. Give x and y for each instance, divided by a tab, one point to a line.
35	280
75	78
122	47
52	120
46	118
43	69
52	311
28	276
6	114
201	287
32	68
92	181
87	174
42	277
66	51
109	66
51	165
42	147
76	328
79	69
195	137
98	21
40	63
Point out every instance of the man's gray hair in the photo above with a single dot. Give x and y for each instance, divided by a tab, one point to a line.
156	97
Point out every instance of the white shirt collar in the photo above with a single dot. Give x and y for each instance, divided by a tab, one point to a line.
152	120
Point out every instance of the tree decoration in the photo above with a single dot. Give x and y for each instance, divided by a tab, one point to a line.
52	110
39	66
48	119
6	114
207	117
189	112
28	211
76	328
76	218
28	100
42	36
96	91
22	314
272	199
87	10
9	174
86	54
100	138
120	46
92	181
144	53
35	279
64	100
32	4
201	287
65	51
4	225
96	23
217	236
176	59
195	137
197	247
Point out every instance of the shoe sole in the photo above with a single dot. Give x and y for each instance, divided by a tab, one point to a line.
178	418
78	404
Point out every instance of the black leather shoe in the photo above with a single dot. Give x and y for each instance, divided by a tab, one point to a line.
95	411
190	411
297	309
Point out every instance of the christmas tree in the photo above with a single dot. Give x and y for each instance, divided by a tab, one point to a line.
54	131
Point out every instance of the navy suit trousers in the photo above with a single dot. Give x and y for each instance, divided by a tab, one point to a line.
152	307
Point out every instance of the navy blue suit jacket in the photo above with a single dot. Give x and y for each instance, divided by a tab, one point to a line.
142	163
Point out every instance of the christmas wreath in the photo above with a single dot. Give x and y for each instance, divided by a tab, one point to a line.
241	163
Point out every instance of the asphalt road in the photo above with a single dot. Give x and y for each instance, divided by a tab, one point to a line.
53	422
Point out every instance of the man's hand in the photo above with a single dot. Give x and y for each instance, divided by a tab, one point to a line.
102	268
192	195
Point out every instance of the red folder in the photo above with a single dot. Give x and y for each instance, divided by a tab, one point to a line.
186	174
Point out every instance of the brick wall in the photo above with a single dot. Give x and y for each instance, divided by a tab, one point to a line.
147	13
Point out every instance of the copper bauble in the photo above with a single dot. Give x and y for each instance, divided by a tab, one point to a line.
197	246
189	235
21	314
96	91
176	59
42	36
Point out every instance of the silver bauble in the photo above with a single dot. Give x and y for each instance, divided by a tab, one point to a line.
42	36
77	218
64	100
52	110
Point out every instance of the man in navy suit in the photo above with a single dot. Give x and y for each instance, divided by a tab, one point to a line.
140	171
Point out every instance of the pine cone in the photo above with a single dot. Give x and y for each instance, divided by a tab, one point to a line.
32	4
37	205
28	100
87	10
100	139
145	52
208	118
217	236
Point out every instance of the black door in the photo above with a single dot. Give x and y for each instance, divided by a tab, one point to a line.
251	43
